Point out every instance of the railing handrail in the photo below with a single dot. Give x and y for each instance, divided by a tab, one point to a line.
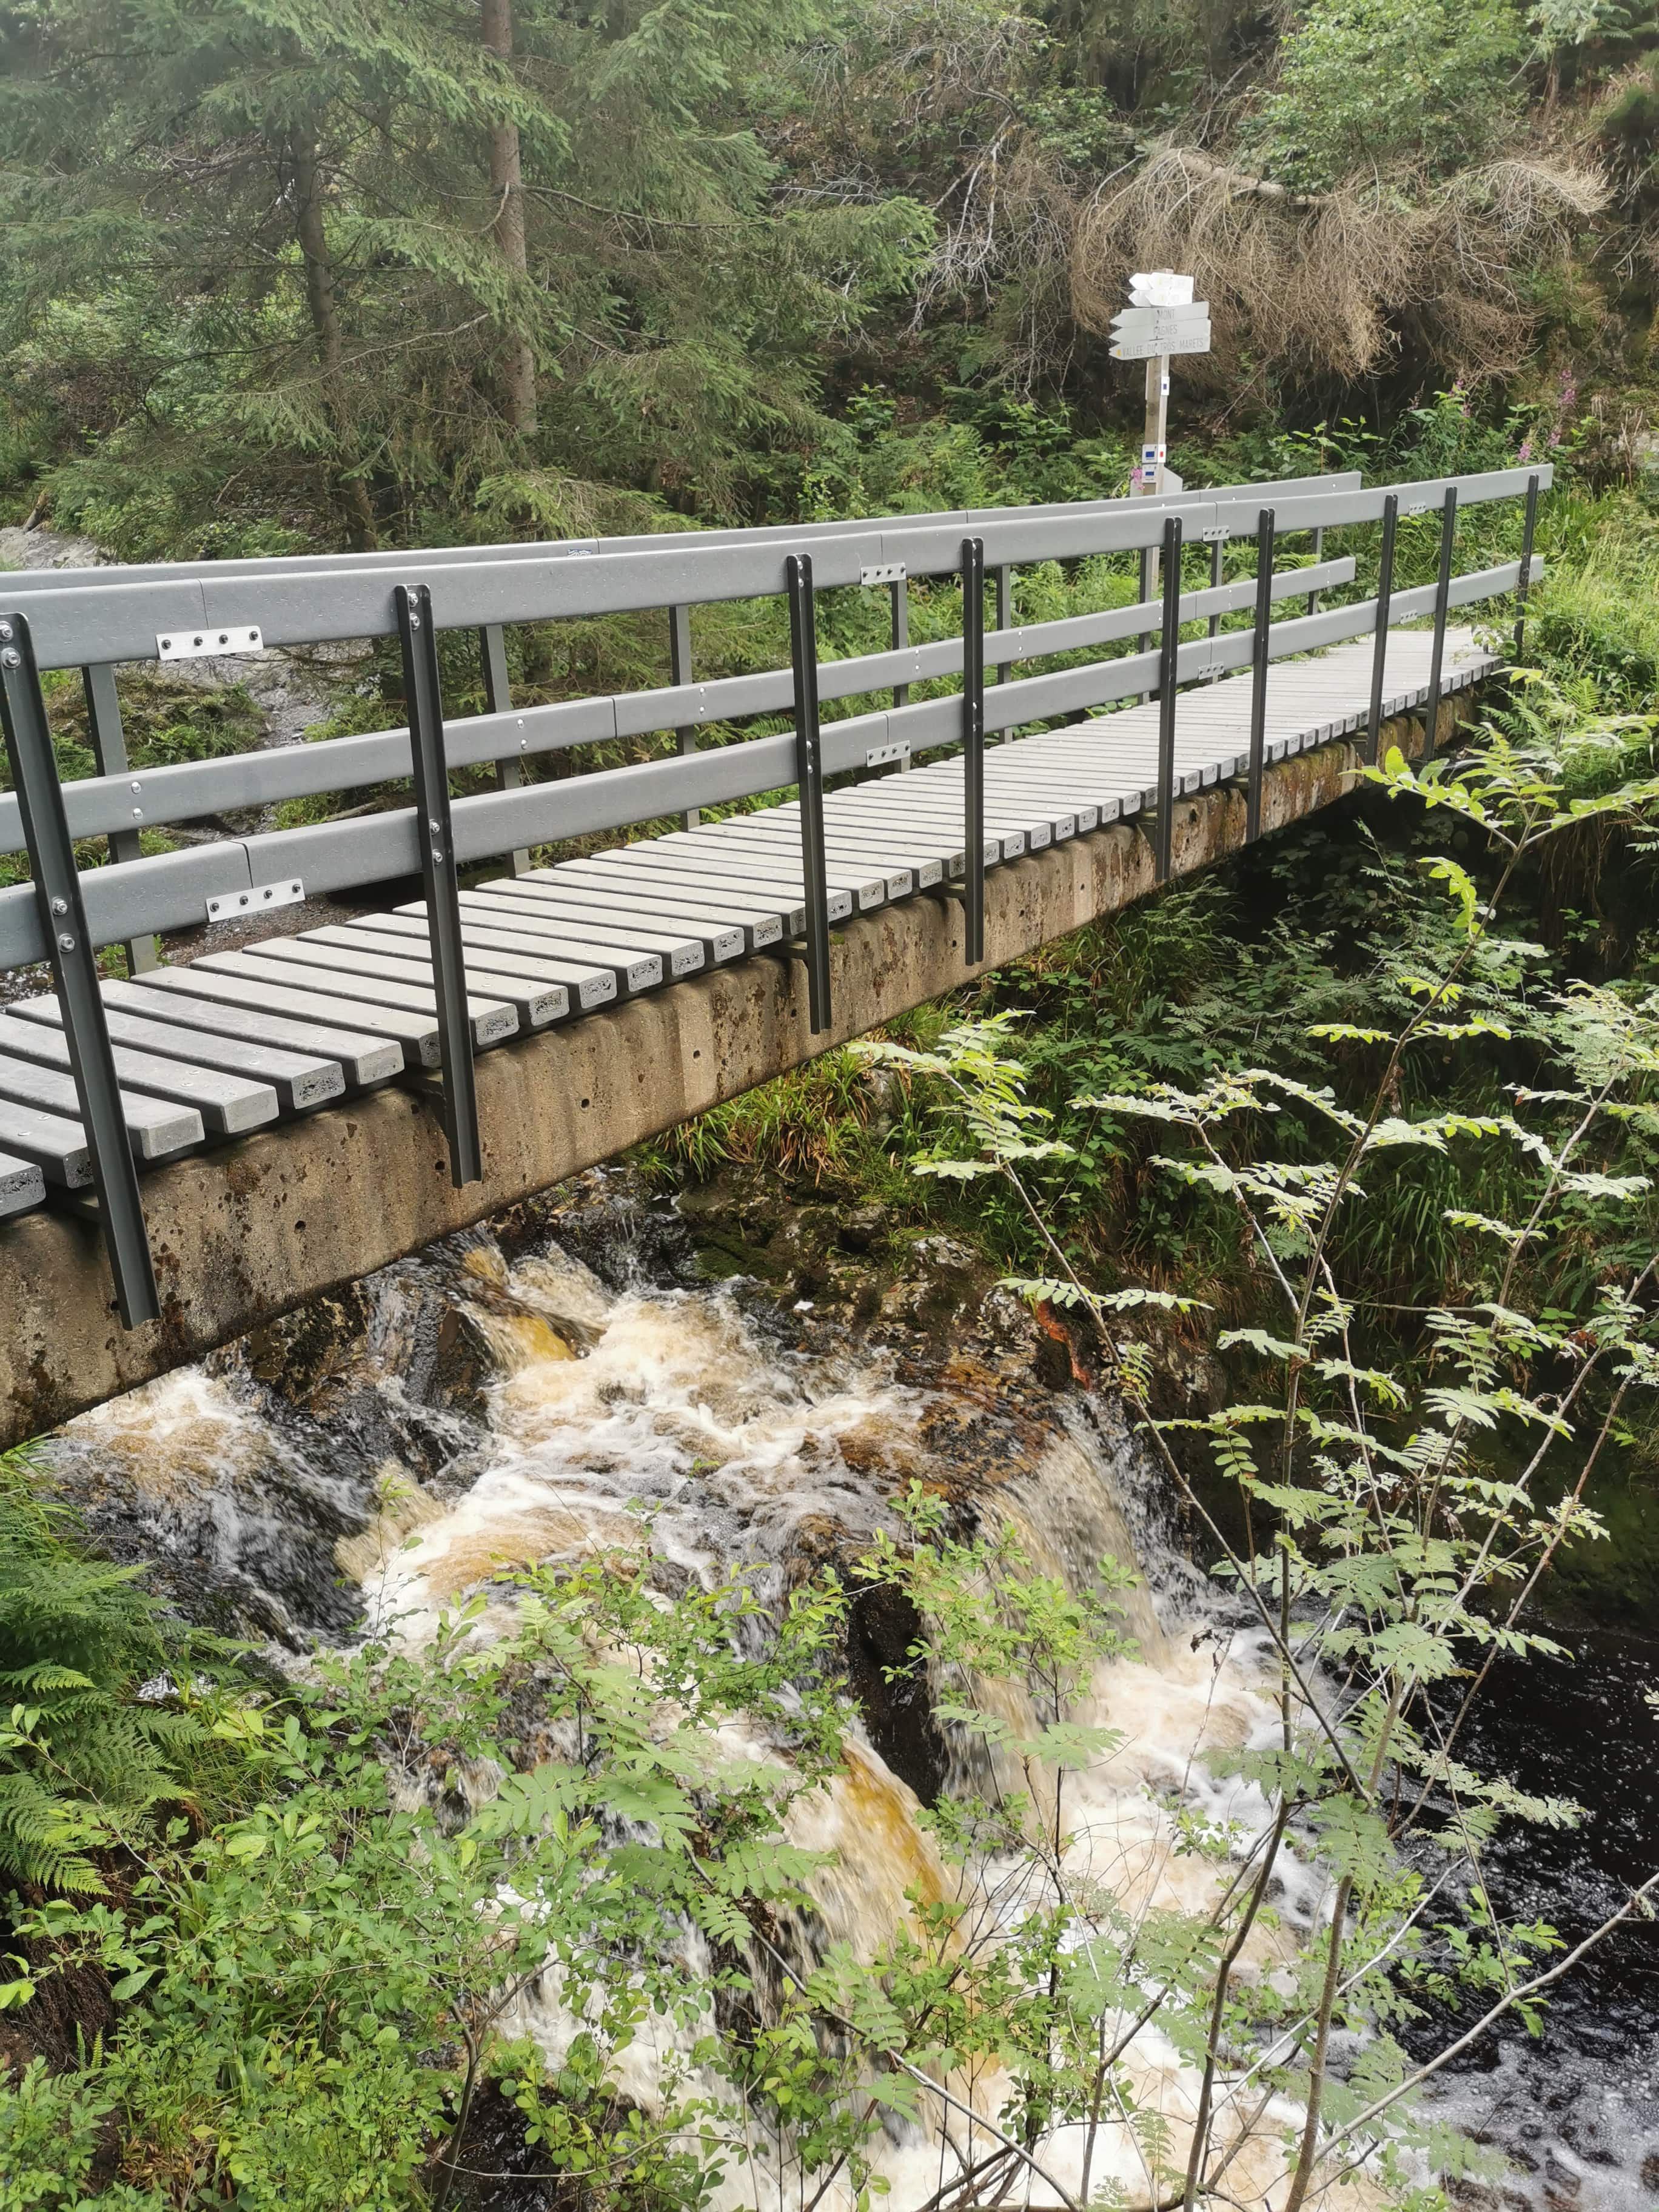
136	898
778	533
78	624
185	791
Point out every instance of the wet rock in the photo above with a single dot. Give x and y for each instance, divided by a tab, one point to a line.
860	1227
292	1354
892	1690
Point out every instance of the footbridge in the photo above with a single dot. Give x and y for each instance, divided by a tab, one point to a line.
193	1147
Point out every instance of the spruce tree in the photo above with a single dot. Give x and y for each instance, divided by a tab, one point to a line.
314	257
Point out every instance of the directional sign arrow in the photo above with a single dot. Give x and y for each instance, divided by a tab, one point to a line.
1195	339
1159	287
1153	322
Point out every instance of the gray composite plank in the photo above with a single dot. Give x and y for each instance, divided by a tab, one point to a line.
730	860
358	976
887	841
56	1146
939	825
611	912
744	877
844	855
935	801
929	805
720	842
361	1060
945	836
760	925
264	991
538	1001
753	911
22	1185
1036	780
1033	786
300	1081
1045	807
592	987
229	1105
679	955
844	846
156	1130
632	971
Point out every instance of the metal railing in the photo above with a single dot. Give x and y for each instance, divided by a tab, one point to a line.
97	620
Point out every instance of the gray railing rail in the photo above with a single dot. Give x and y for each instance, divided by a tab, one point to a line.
94	620
783	534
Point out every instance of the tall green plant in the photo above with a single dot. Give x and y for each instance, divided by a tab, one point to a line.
87	1752
1385	1489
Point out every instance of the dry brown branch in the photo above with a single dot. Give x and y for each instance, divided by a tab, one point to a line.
1327	283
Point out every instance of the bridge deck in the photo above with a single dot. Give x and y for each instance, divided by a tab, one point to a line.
234	1041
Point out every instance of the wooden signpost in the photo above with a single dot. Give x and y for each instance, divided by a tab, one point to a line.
1162	318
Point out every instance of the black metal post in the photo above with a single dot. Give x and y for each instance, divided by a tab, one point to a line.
1264	609
972	749
1380	645
498	698
1168	644
109	750
679	661
1442	600
423	701
1005	576
1319	555
1524	583
809	778
74	975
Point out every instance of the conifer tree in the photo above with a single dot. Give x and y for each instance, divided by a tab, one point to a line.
353	232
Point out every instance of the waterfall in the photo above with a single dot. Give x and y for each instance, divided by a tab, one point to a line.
501	1404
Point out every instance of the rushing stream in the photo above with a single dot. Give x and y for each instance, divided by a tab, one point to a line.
495	1402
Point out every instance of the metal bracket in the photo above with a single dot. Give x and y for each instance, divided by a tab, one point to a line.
1218	534
885	572
204	644
1419	507
231	906
884	756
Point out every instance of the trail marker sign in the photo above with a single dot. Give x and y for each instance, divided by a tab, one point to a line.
1160	287
1162	318
1140	333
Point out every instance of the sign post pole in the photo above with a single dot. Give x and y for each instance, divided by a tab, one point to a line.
1154	442
1161	320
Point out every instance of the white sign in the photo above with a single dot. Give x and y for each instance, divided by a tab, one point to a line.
1159	287
1160	322
1196	340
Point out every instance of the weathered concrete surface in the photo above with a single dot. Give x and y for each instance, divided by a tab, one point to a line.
245	1233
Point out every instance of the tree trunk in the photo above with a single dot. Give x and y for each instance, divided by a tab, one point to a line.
506	190
325	326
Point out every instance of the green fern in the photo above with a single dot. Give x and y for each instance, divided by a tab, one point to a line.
84	1758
